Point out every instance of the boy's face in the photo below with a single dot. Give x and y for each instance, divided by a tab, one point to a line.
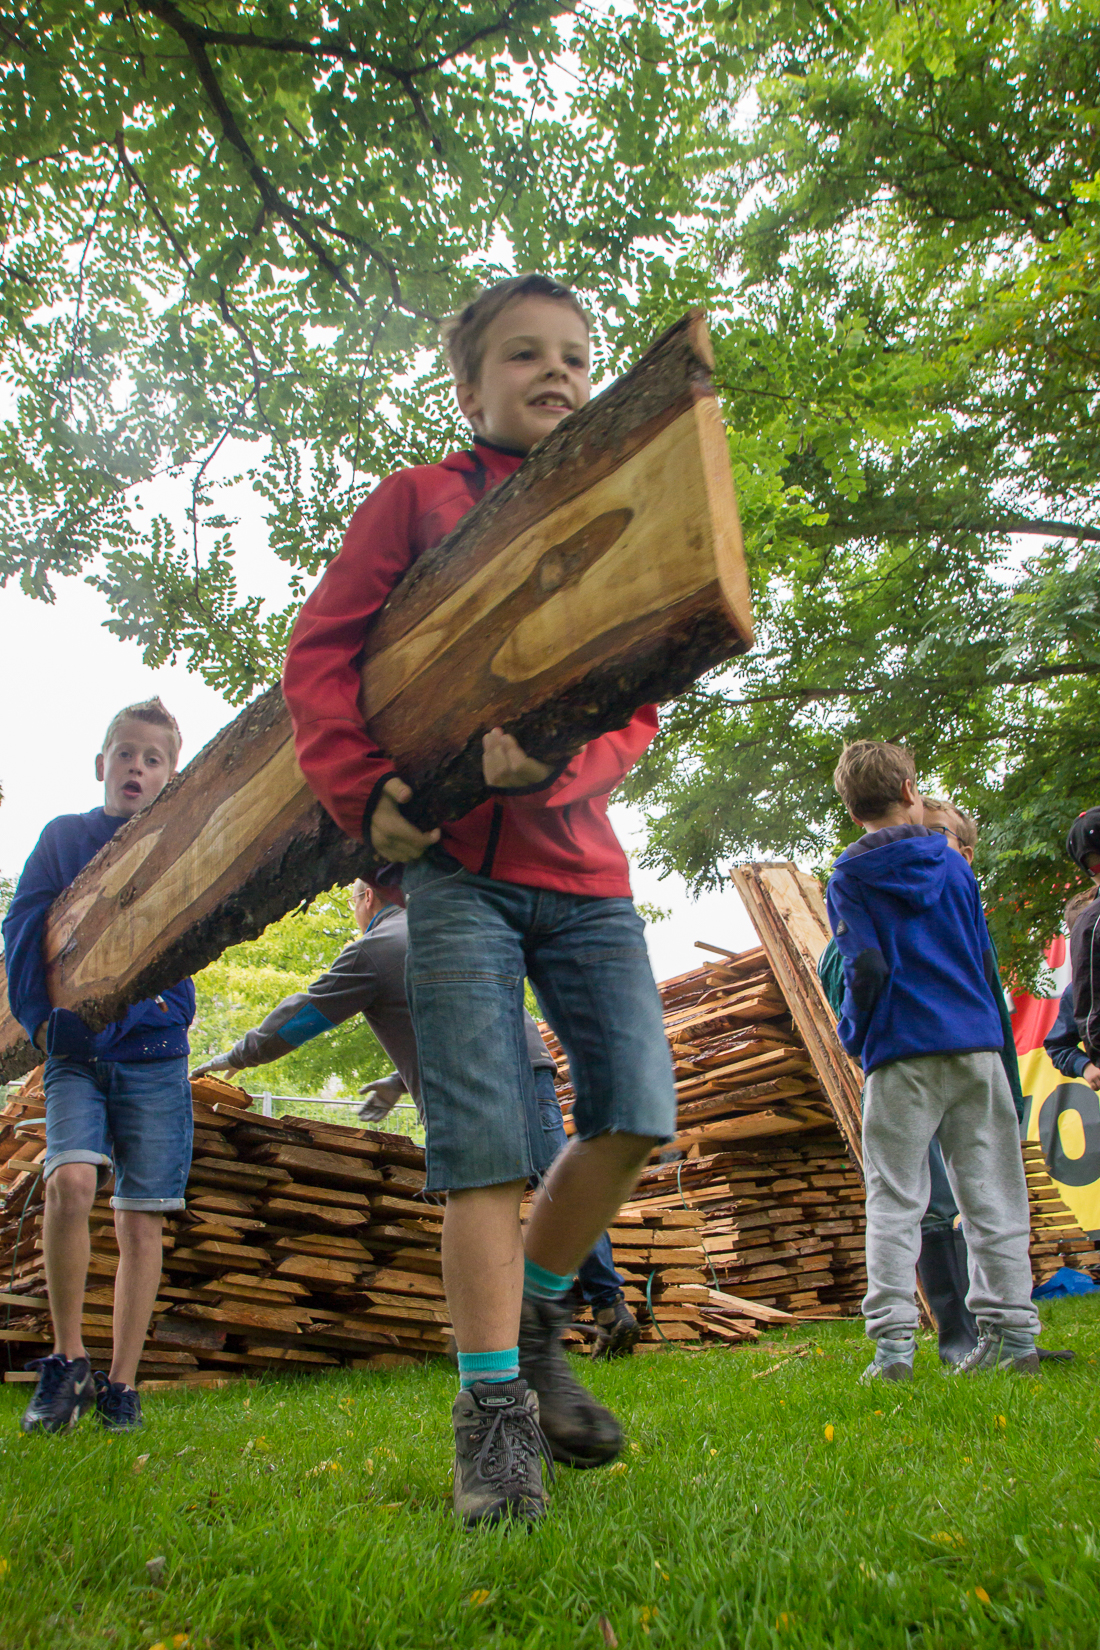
534	372
135	767
947	826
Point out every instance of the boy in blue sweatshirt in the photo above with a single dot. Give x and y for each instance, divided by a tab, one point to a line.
117	1099
921	1015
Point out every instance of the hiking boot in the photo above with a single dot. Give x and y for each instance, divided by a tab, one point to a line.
499	1448
580	1432
893	1359
618	1330
117	1406
1015	1353
63	1394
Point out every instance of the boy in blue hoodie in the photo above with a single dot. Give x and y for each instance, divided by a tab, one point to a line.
117	1099
920	1013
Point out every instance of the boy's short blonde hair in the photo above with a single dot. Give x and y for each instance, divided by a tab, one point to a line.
966	829
463	334
157	714
870	775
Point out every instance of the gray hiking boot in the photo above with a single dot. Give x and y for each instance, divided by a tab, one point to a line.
580	1431
499	1448
1011	1351
893	1360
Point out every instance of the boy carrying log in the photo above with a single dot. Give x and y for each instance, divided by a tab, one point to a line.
115	1099
532	882
920	1013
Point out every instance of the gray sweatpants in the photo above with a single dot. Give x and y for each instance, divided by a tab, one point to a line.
967	1100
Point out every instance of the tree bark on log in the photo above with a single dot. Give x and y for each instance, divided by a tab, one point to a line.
607	572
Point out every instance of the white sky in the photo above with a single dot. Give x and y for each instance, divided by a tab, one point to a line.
65	676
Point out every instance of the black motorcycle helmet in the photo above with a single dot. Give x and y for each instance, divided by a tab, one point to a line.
1084	837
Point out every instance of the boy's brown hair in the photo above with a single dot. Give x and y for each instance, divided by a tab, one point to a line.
965	827
1077	903
156	713
870	775
463	334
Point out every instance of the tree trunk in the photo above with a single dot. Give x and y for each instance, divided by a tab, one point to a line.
605	574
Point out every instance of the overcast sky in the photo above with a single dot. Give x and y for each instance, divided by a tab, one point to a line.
65	676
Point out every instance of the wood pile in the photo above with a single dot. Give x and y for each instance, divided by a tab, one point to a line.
760	1177
304	1246
1056	1237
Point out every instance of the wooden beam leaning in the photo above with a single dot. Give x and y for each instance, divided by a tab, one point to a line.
606	573
788	912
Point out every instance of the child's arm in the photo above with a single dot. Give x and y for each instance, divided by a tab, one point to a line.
865	967
594	771
1084	945
1063	1041
345	769
38	887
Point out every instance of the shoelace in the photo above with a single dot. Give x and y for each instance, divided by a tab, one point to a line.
51	1373
514	1438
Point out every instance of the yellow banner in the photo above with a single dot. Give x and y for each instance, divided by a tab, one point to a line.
1063	1115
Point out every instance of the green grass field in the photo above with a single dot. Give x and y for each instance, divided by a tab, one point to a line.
792	1509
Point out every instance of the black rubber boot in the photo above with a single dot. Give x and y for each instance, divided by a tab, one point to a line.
944	1273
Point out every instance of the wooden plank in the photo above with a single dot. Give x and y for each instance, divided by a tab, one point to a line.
787	909
606	573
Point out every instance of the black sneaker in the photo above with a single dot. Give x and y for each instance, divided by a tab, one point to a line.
618	1330
499	1448
63	1394
580	1432
117	1406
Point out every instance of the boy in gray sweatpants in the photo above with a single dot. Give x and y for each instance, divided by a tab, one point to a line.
920	1013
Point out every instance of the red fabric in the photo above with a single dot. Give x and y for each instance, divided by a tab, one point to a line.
559	837
1032	1018
1056	951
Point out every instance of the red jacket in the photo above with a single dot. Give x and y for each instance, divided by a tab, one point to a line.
557	837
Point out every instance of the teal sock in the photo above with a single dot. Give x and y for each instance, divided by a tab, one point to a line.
541	1285
488	1366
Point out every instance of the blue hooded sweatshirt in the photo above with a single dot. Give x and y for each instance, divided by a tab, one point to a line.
919	975
155	1029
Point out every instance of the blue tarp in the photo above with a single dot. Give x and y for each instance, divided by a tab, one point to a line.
1065	1281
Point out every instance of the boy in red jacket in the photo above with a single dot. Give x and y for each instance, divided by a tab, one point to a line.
532	882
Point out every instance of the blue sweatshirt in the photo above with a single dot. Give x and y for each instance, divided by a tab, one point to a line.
152	1030
919	975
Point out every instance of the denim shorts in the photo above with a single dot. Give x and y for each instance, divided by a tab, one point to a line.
472	940
127	1115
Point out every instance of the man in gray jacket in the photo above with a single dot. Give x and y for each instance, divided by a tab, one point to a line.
368	978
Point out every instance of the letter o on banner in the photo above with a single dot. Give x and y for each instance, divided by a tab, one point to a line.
1078	1098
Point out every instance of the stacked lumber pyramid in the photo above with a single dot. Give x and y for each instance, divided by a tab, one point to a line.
303	1246
1056	1237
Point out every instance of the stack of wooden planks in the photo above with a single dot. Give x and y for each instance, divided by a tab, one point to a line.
1056	1237
304	1245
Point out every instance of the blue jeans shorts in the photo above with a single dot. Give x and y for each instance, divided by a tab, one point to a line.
472	941
129	1115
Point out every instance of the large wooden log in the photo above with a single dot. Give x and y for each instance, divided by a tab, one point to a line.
605	573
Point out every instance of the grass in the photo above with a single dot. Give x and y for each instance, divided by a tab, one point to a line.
796	1509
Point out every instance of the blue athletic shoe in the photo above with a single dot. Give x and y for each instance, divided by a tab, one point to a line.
64	1393
117	1406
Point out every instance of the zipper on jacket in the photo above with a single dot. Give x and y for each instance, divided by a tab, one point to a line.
485	869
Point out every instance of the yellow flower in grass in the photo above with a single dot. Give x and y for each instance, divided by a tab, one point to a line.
649	1613
829	1433
1000	1421
949	1538
981	1595
480	1595
178	1641
783	1621
324	1466
5	1566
